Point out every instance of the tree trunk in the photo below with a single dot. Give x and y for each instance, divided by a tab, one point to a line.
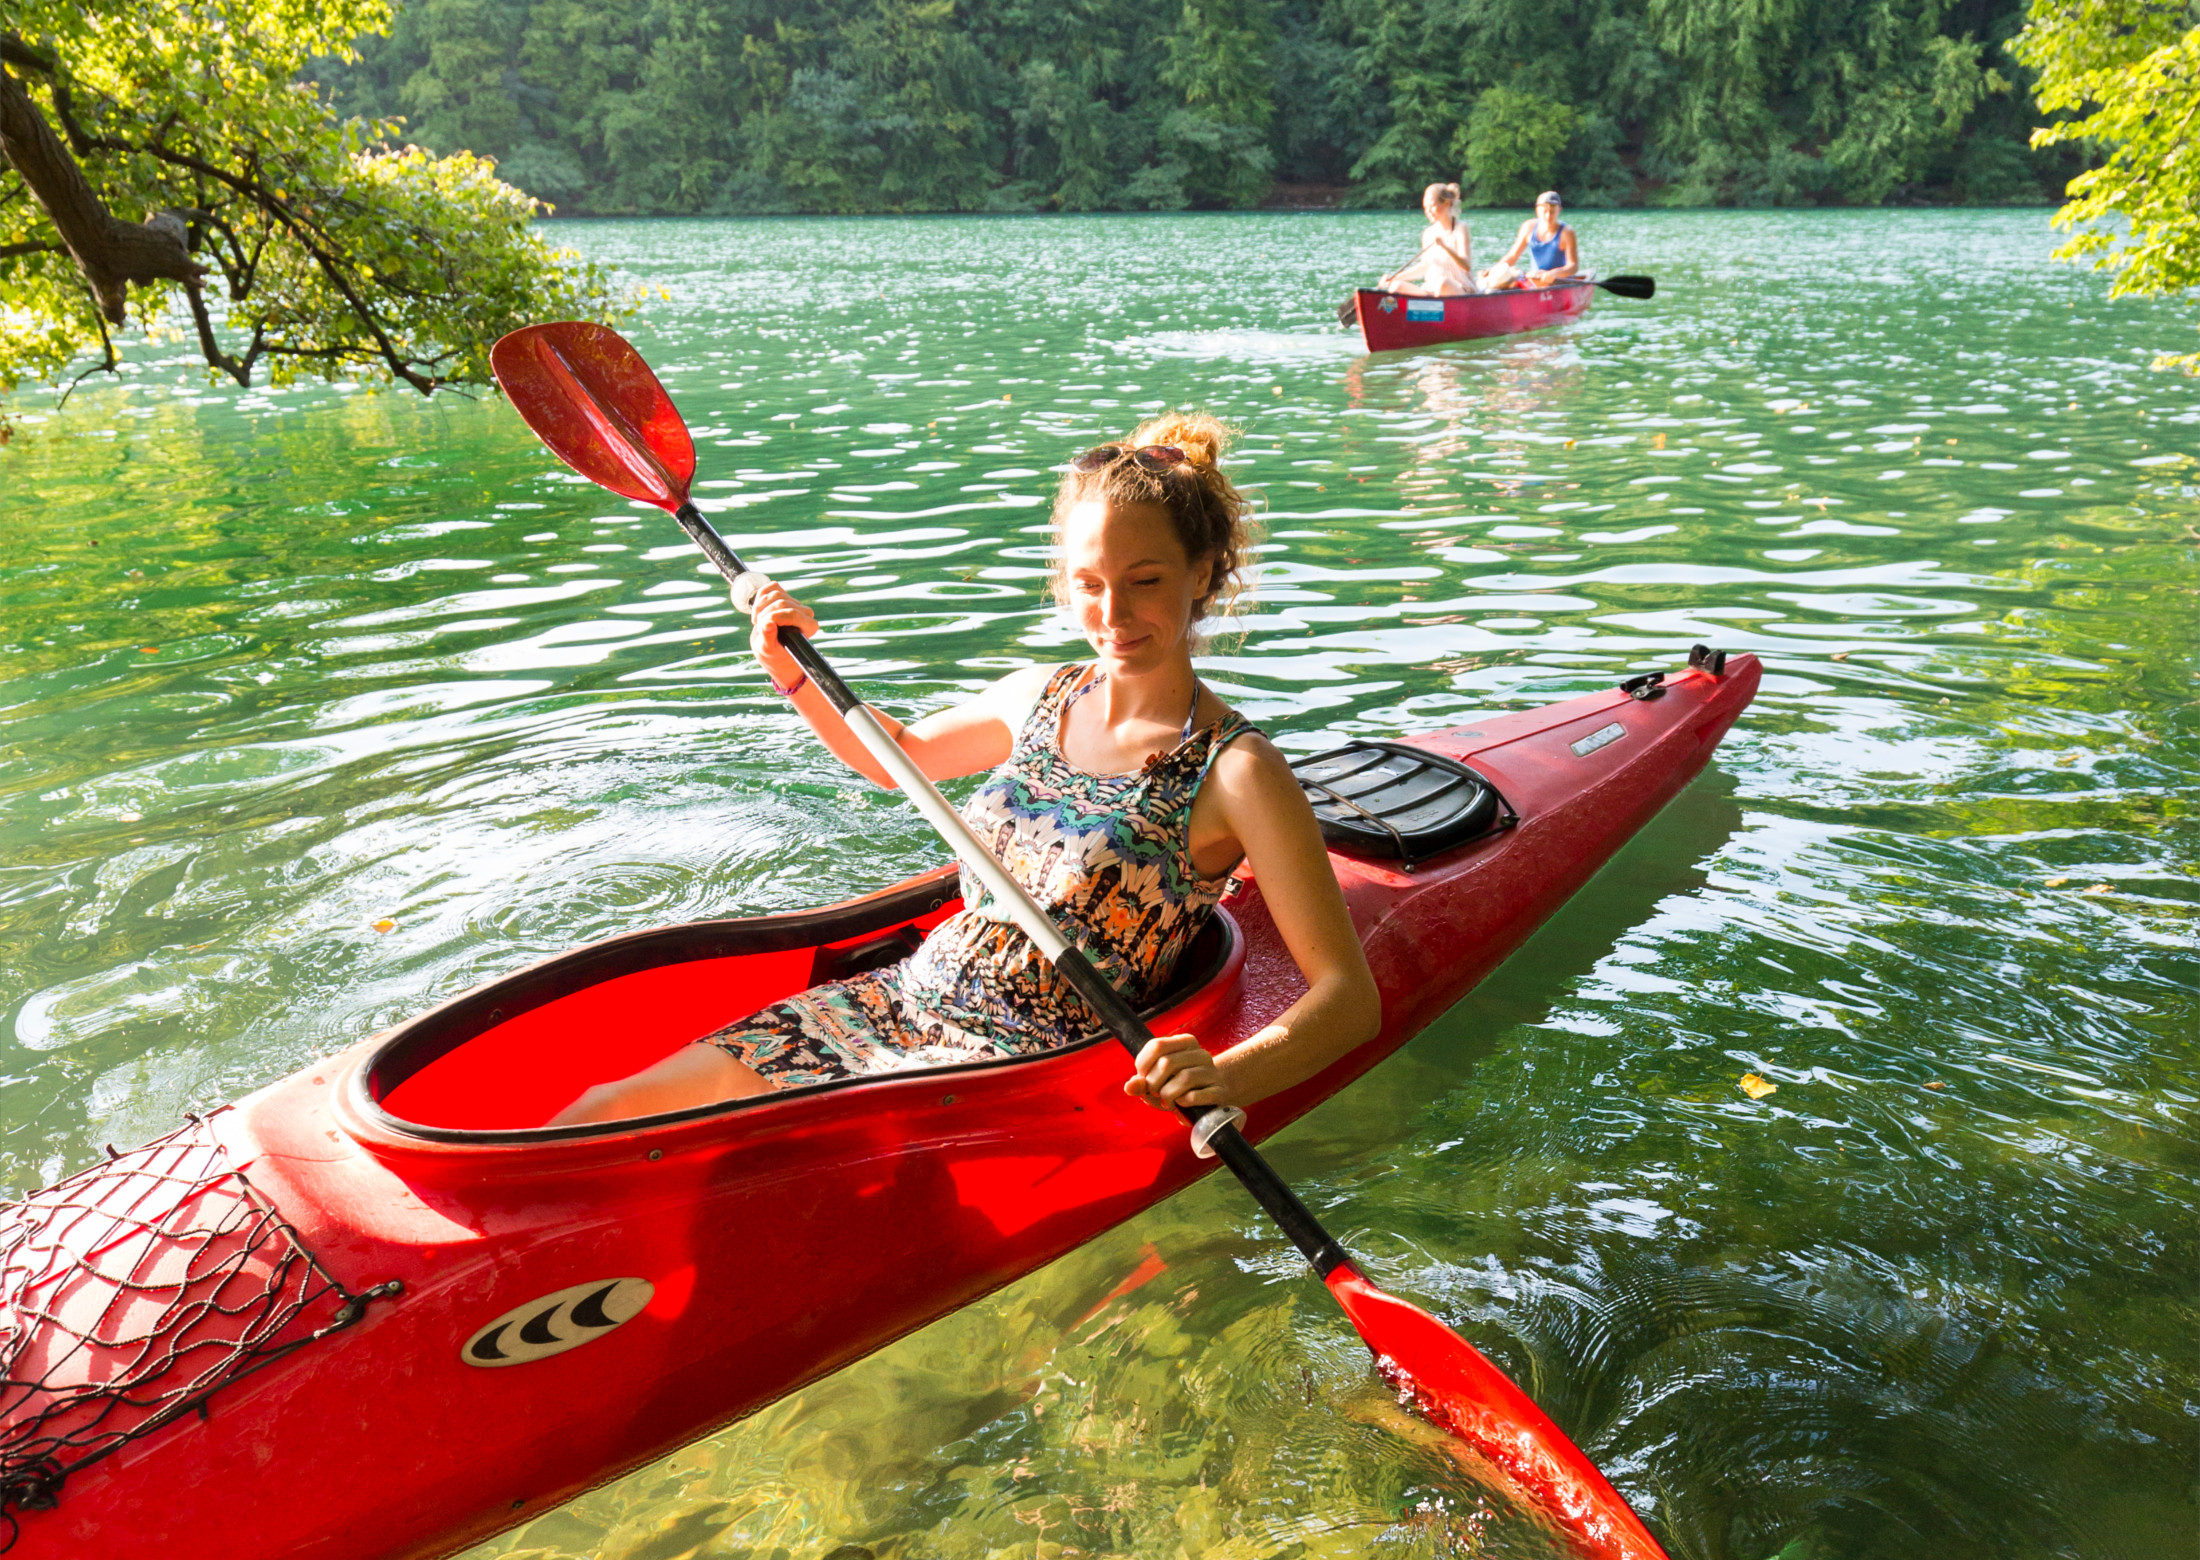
110	252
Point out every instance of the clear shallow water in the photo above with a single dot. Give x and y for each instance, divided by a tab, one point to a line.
341	658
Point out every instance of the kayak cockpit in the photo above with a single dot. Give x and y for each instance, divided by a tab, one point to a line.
503	1058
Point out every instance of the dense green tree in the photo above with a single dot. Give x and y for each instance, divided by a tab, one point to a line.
1512	144
868	105
161	158
2128	72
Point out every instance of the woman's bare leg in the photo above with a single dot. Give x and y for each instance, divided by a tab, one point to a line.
698	1074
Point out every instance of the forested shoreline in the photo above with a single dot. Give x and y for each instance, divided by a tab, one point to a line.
841	106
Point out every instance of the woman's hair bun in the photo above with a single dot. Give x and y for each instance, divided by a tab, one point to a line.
1199	435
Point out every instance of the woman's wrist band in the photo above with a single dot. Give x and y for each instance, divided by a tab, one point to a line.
791	689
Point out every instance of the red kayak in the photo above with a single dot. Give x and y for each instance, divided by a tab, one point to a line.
1390	322
378	1309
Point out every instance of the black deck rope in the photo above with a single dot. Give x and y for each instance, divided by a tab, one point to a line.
133	1291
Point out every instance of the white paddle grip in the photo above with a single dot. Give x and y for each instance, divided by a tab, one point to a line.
745	586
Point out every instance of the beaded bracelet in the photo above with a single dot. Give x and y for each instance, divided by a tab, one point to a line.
791	689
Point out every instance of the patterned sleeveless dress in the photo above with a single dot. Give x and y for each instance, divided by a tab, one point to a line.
1108	856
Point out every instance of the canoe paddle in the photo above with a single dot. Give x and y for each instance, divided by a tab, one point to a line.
1348	312
600	409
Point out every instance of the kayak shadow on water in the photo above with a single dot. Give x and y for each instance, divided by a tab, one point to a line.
1670	857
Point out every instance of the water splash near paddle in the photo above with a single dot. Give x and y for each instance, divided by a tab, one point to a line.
593	400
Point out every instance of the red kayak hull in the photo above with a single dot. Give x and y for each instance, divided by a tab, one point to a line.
766	1242
1393	322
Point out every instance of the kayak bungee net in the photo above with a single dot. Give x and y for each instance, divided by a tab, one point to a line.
384	1307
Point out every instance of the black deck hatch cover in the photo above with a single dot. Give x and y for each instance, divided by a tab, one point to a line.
1402	803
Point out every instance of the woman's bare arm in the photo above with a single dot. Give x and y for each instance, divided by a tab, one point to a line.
1261	804
963	740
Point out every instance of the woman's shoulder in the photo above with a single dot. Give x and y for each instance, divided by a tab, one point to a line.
1013	698
1247	755
1028	682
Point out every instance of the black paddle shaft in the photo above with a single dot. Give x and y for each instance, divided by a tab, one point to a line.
1245	1161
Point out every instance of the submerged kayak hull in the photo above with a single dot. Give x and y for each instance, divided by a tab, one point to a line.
675	1274
1393	322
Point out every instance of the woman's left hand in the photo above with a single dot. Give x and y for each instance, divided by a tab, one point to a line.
1173	1070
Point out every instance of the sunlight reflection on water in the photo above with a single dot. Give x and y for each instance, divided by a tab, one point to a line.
351	658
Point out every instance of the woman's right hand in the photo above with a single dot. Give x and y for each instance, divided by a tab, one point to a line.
774	610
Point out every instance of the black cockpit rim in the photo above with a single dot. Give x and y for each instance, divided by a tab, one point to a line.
419	1042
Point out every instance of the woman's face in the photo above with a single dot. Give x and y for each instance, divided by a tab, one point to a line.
1130	586
1438	208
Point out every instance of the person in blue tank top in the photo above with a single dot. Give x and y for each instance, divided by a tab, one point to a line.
1552	252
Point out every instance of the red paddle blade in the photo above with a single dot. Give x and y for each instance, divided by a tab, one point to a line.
589	396
1449	1383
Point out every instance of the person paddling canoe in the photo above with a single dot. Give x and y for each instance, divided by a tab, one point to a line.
1552	250
1123	793
1445	265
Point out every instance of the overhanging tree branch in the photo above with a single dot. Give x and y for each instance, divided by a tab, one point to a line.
110	252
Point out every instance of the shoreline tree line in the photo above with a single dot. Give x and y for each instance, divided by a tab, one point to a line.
843	106
307	186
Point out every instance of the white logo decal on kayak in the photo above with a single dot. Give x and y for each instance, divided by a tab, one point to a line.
1603	736
551	1324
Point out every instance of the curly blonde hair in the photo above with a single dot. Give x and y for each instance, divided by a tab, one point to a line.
1210	516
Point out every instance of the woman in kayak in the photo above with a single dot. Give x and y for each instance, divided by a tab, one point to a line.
1445	264
1122	795
1552	251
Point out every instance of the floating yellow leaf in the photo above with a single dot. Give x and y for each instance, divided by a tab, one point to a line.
1840	655
2100	888
1004	397
2056	882
148	649
1936	1084
385	925
1757	1088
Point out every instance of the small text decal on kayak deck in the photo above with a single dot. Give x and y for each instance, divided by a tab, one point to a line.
1603	736
561	1320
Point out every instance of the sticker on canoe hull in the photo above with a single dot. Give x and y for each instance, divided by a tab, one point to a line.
1432	309
1603	736
561	1320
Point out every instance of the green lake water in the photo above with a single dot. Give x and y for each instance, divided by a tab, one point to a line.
282	666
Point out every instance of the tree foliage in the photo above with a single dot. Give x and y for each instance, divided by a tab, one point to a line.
163	159
2127	75
971	105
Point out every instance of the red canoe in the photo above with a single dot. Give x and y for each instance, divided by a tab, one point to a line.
377	1310
1390	322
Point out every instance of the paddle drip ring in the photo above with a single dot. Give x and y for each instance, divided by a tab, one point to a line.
130	1293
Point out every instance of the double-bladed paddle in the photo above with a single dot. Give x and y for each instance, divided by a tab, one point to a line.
1348	312
598	407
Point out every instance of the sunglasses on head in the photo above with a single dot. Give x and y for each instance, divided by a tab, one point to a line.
1154	457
